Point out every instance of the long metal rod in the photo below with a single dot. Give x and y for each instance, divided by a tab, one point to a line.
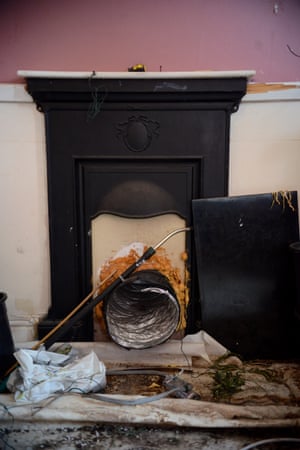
89	306
85	307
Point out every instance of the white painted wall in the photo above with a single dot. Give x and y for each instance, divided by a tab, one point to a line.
24	255
265	143
264	157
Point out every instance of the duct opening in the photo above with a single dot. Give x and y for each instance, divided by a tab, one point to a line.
143	311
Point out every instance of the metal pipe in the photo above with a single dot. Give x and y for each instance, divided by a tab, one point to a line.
89	306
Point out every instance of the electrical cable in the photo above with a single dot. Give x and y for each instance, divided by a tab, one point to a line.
134	402
269	441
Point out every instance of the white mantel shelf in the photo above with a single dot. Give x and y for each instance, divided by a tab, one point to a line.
202	74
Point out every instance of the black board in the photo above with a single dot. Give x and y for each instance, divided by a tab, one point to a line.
245	272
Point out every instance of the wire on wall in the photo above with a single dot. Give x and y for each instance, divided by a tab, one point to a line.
292	51
98	94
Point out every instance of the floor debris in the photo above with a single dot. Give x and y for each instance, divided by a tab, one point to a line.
126	437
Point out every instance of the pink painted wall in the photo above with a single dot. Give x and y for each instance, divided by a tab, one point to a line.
111	35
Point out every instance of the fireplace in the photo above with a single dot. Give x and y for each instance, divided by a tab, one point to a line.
131	145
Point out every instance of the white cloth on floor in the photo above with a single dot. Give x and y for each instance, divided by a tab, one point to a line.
42	374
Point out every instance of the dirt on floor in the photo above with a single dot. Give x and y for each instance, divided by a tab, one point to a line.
126	437
227	379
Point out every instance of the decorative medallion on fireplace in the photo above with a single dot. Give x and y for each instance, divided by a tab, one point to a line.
171	146
137	132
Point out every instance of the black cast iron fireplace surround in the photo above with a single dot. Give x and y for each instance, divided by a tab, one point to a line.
137	147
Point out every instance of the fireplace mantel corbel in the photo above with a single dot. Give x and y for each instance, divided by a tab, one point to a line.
106	130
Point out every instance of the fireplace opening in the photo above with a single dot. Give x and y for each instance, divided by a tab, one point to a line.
164	303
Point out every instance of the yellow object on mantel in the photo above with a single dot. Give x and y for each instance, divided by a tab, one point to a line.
257	88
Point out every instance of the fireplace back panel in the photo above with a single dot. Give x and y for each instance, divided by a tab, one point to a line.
137	148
